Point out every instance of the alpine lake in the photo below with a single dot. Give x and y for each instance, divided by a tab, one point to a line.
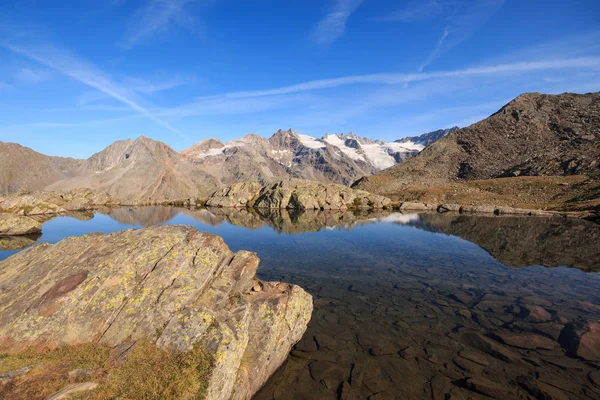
411	306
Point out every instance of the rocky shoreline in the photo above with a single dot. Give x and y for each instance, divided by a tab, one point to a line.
16	225
170	285
296	194
293	194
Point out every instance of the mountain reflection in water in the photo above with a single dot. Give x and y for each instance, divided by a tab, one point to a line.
515	241
412	306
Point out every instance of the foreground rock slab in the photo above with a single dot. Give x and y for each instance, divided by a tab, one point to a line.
296	194
171	285
14	225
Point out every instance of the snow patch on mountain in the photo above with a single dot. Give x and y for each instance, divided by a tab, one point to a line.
311	142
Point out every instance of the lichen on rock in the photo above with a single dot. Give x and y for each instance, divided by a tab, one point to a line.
296	194
170	285
15	225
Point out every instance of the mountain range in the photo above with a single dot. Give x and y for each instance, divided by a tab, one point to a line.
535	135
148	170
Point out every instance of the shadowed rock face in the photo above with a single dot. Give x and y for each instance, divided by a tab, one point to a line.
171	285
523	241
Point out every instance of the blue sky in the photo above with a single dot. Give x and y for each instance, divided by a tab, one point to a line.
76	76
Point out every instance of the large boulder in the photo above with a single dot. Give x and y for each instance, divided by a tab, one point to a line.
238	195
297	194
170	285
15	225
42	202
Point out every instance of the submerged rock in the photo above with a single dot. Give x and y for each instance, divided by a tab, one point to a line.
171	285
582	340
18	242
14	225
296	194
41	203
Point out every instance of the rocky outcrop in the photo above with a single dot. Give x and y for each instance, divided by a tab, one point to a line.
15	225
533	135
307	195
170	285
238	195
296	194
40	203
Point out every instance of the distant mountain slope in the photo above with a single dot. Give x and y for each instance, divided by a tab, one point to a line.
142	169
22	168
427	138
535	134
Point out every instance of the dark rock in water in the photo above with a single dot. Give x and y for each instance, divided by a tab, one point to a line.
482	343
582	340
468	366
323	370
594	377
540	390
440	385
526	341
348	393
487	387
475	357
533	313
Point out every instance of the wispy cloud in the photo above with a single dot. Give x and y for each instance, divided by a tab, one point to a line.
418	10
155	17
399	78
211	106
140	85
85	73
333	26
467	18
32	75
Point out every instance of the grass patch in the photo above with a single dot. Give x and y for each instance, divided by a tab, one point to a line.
148	372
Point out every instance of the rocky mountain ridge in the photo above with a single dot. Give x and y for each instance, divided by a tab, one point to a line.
427	138
533	135
147	170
